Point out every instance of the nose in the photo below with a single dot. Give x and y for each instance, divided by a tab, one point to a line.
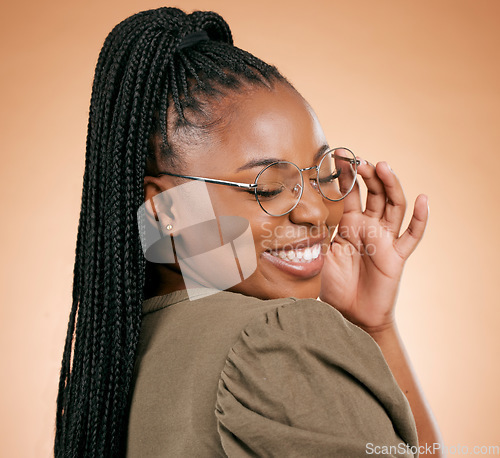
312	208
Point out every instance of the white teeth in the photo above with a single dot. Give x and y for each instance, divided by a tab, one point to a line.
308	254
316	250
299	255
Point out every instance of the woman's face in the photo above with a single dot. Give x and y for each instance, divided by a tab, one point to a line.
268	125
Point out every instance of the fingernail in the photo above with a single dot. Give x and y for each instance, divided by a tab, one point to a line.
426	198
390	167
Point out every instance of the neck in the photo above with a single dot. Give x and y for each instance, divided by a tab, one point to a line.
162	279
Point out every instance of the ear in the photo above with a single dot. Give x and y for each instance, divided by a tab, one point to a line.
152	186
156	185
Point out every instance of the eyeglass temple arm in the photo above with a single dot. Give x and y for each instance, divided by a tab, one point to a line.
212	180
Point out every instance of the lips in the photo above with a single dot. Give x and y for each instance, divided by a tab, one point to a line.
303	260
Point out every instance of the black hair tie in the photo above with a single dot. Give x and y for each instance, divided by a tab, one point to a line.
192	39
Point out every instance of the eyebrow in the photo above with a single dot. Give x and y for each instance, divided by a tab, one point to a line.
270	160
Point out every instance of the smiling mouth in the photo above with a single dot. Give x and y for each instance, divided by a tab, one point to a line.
304	262
300	255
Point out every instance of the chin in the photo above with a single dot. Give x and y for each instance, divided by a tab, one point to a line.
265	289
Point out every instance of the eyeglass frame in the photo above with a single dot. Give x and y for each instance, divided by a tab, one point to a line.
253	185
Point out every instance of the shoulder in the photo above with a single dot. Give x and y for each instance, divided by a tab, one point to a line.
301	369
307	323
306	338
290	321
305	318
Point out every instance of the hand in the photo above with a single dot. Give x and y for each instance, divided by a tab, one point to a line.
364	264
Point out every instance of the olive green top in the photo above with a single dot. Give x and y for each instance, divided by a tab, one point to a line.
232	375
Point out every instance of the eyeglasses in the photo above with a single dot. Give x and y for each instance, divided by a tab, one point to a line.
278	187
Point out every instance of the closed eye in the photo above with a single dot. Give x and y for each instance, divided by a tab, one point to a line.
265	192
268	193
331	177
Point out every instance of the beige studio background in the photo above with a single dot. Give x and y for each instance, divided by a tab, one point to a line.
416	83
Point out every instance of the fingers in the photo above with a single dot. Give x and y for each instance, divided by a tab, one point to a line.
406	244
376	197
352	202
395	207
385	198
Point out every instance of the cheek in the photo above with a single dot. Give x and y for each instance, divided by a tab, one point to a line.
227	200
266	230
335	212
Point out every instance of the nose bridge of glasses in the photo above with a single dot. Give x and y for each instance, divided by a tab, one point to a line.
311	176
311	189
311	203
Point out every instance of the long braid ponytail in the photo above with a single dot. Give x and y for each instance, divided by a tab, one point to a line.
139	73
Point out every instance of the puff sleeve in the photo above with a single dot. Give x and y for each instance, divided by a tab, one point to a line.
302	381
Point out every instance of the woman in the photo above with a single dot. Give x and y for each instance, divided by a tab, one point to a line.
154	367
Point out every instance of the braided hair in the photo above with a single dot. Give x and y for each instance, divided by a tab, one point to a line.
141	80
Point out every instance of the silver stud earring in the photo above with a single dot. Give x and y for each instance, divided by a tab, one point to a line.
169	227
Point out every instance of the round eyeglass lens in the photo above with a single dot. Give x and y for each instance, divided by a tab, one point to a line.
337	173
279	188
